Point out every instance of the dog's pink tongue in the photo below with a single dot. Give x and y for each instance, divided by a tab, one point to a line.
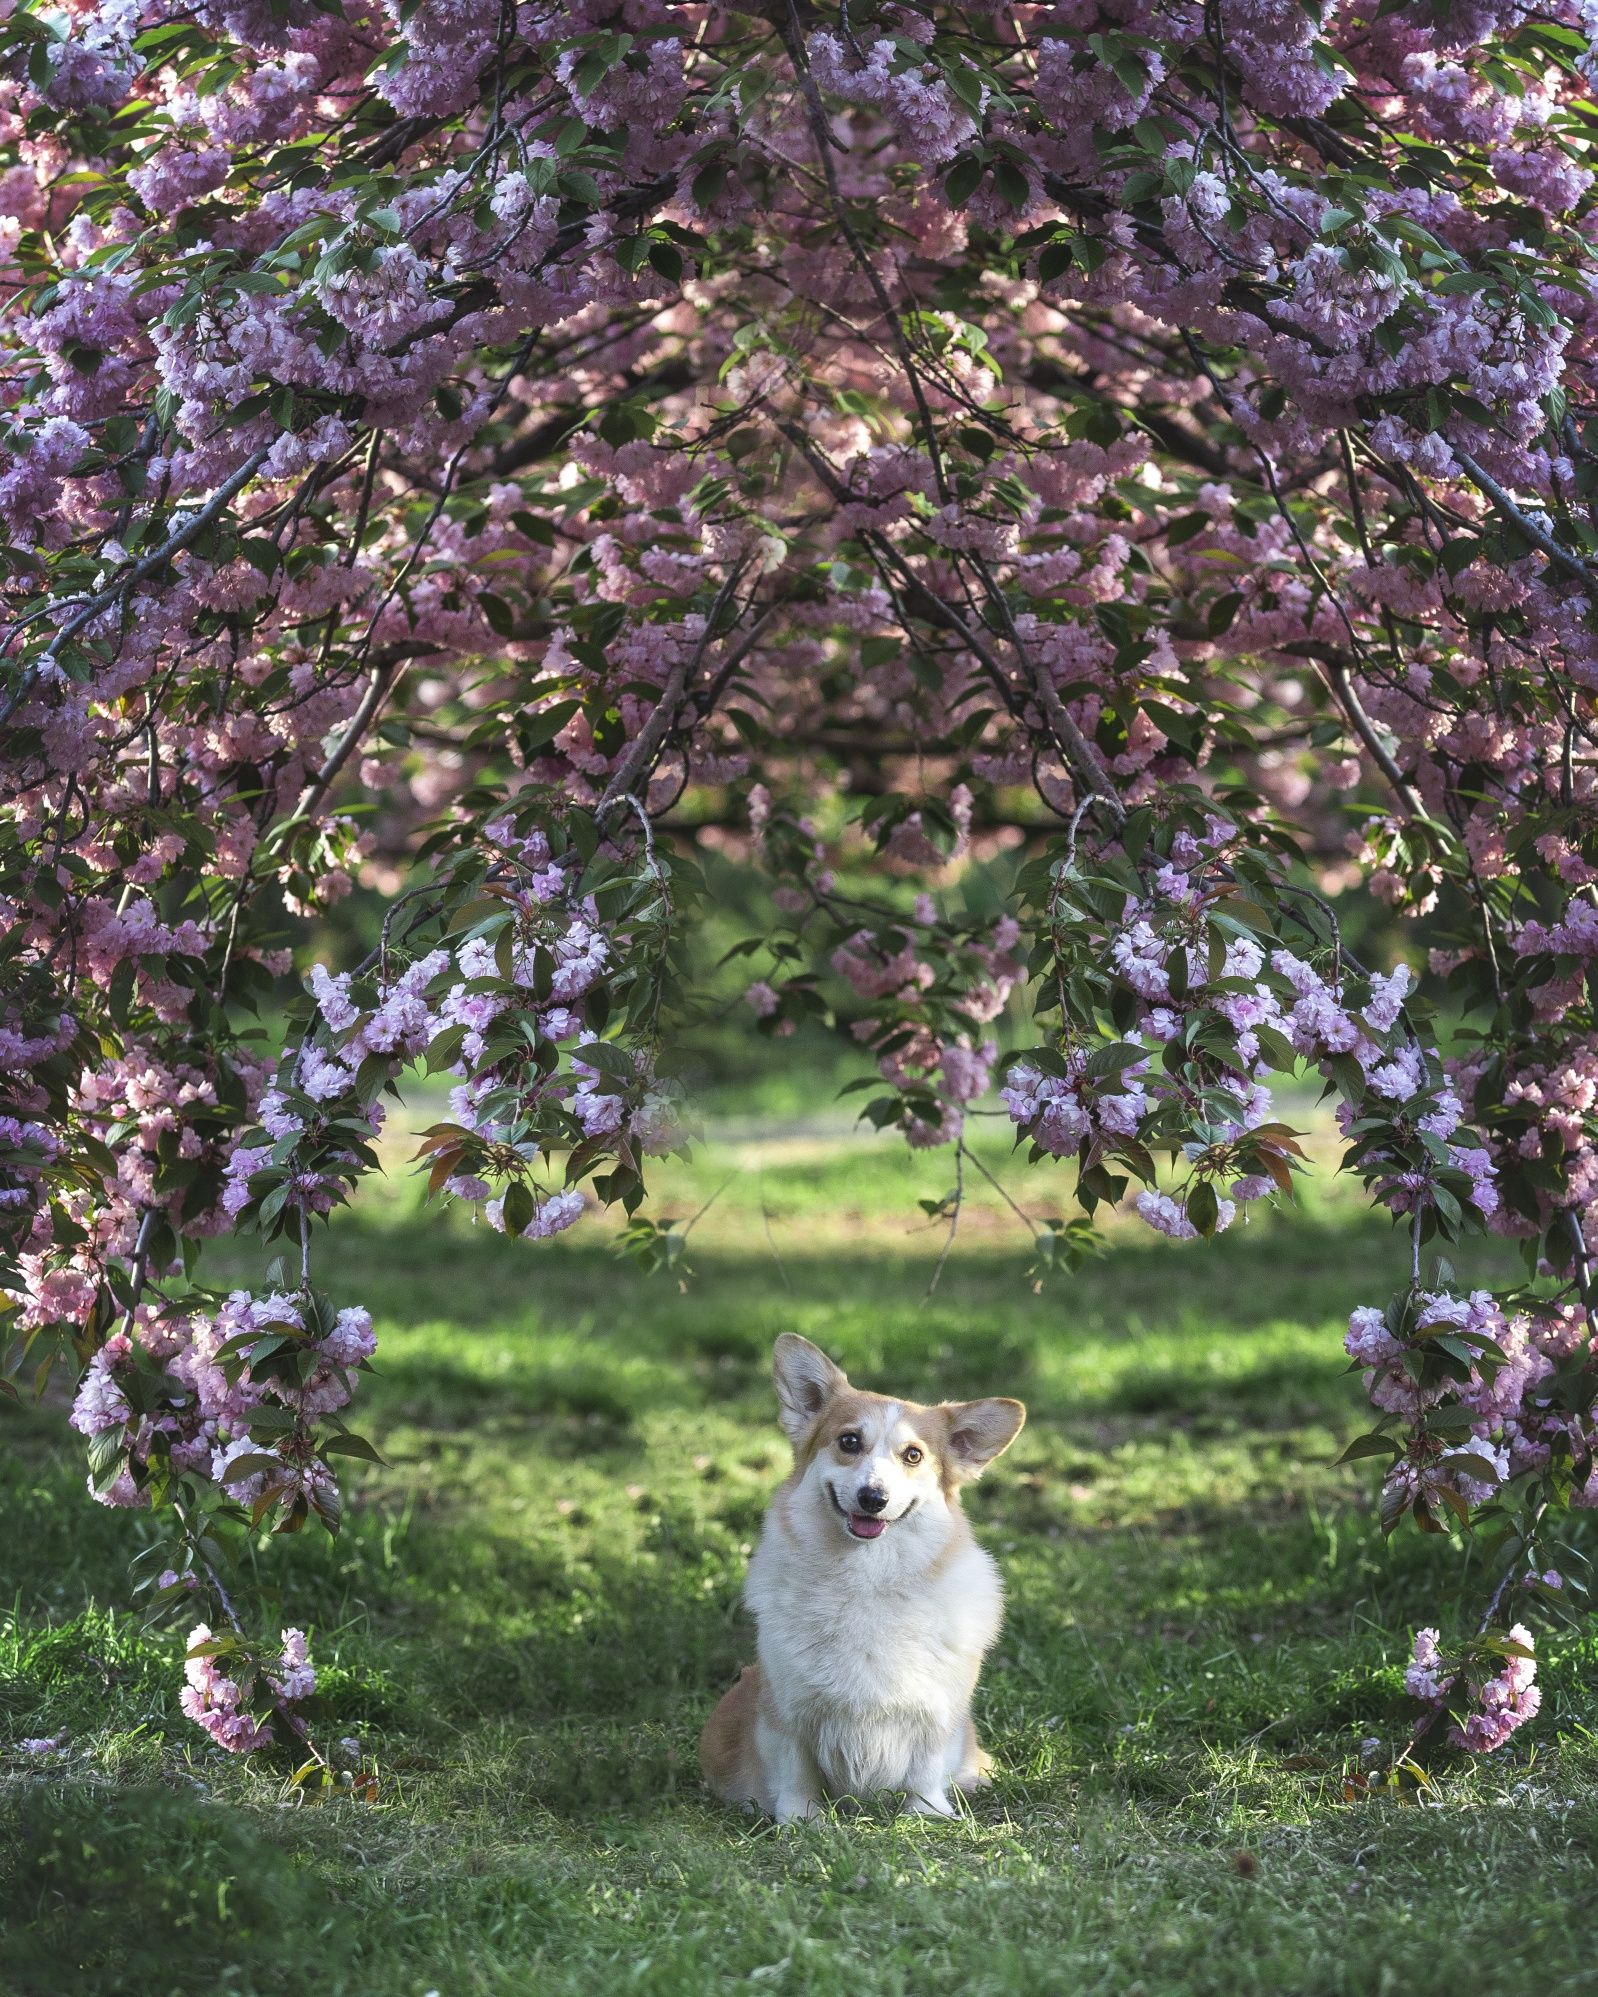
866	1528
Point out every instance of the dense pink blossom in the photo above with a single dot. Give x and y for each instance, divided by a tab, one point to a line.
221	1703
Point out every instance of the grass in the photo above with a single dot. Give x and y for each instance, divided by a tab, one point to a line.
535	1603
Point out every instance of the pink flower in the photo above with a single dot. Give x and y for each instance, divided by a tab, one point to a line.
295	1676
1506	1702
101	1403
1423	1679
351	1340
966	1071
1166	1215
554	1213
1387	998
1369	1340
214	1701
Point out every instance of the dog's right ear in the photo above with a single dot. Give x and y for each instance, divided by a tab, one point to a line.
806	1379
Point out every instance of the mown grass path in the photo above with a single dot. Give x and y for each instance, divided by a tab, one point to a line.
534	1605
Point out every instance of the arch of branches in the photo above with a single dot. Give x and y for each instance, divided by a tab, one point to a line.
488	450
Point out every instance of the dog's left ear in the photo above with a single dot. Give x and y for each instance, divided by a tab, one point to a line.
979	1431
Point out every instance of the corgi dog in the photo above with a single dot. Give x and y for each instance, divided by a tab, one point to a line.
873	1602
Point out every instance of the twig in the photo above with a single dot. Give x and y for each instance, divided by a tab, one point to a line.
1506	1581
218	1588
1333	670
1364	728
384	675
1523	522
141	1263
194	1540
954	1216
1583	1268
1003	1192
652	736
771	1242
817	118
700	1212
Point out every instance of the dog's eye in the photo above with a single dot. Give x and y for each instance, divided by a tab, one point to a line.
912	1454
849	1442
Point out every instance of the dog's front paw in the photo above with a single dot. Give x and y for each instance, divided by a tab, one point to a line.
796	1809
932	1806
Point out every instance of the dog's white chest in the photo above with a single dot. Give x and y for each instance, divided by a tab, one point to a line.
864	1655
872	1672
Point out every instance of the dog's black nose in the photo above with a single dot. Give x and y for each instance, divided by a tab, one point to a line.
871	1498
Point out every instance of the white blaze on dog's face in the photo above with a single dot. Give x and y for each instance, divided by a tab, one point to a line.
879	1463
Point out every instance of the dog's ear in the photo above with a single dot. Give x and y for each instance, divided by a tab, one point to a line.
806	1378
979	1431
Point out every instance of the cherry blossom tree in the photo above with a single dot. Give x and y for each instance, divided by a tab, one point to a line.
474	446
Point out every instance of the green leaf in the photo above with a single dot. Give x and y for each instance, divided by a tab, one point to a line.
1203	1208
962	180
497	614
1370	1445
519	1208
1012	183
353	1445
1112	1059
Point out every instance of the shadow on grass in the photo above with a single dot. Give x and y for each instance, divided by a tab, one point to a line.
134	1890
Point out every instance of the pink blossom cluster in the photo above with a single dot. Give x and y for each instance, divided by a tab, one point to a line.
188	1392
227	1707
1503	1702
1470	1398
1058	1112
1180	974
922	1017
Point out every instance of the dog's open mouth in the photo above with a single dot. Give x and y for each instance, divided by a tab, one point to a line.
864	1525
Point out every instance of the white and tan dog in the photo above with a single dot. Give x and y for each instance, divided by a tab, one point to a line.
874	1604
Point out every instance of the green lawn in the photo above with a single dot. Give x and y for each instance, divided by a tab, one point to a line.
535	1604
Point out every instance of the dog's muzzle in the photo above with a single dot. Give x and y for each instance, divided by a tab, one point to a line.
868	1522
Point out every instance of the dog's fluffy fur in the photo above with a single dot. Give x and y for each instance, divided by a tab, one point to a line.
874	1604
